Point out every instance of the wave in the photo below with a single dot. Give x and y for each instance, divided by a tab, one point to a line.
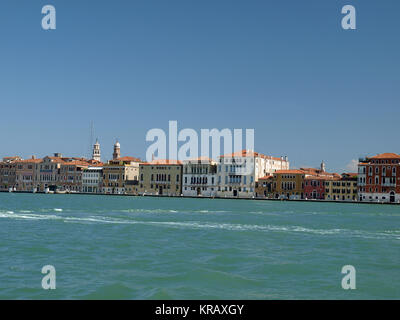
154	211
386	234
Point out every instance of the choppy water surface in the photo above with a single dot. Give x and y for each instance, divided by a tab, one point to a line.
106	247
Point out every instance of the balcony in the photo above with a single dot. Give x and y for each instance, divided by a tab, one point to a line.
388	184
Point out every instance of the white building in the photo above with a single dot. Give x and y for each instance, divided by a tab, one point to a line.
199	178
92	180
238	172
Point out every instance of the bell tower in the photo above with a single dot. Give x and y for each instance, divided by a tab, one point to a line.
117	150
323	166
96	155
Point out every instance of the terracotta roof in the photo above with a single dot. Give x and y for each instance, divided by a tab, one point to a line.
128	159
386	156
290	172
310	169
266	178
317	178
96	164
56	158
76	163
29	161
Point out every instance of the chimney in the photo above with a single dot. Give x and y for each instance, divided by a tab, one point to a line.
33	157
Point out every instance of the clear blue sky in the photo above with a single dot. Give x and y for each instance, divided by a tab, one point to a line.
311	90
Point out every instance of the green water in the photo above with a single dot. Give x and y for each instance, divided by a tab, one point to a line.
106	247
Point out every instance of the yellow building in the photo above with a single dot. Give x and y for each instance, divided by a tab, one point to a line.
283	184
288	184
160	177
342	189
120	175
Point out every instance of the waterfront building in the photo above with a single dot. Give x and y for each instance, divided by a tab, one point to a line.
314	182
25	173
264	187
343	188
58	173
92	179
70	175
199	177
8	173
238	172
314	187
96	154
47	173
288	184
161	177
121	174
379	178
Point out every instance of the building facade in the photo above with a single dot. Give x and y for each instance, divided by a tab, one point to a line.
314	187
379	178
70	175
47	173
8	173
288	184
120	173
25	173
239	172
342	189
264	187
199	178
92	179
161	177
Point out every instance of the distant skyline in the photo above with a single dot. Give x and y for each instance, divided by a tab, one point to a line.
311	90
